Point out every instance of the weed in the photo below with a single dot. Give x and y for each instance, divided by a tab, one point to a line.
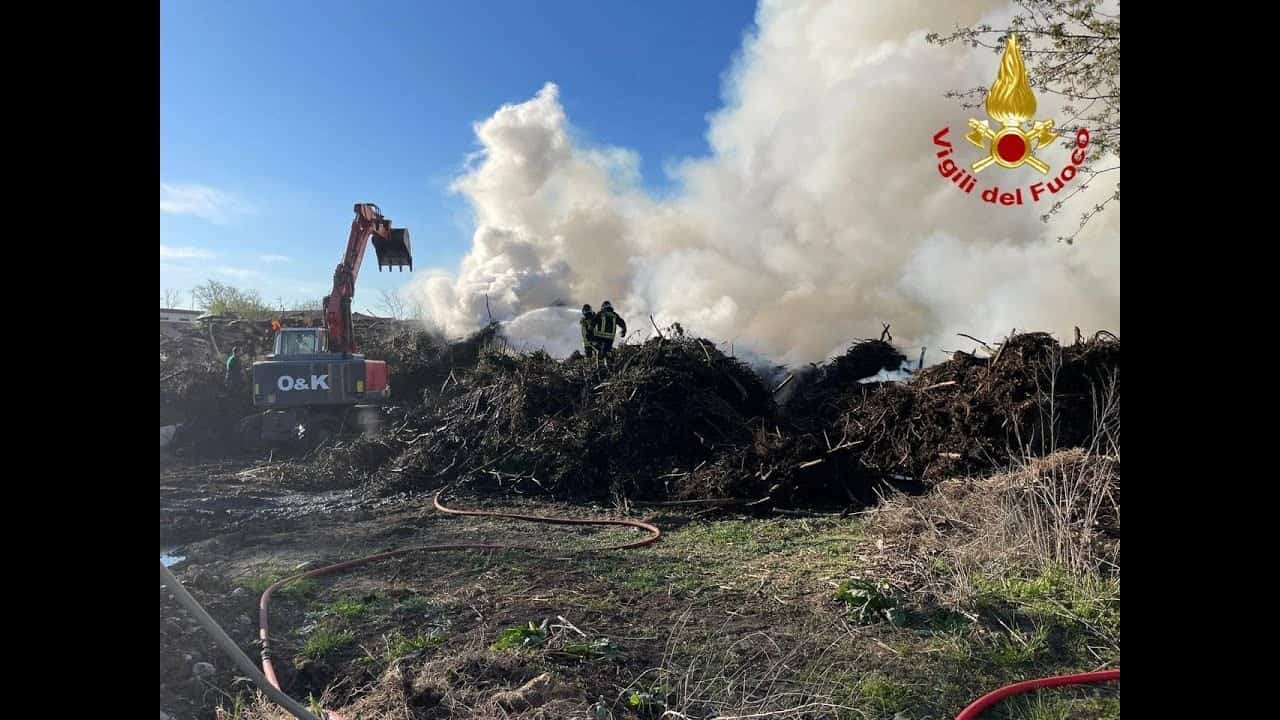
400	645
324	641
348	608
883	694
871	602
522	637
597	649
296	590
417	604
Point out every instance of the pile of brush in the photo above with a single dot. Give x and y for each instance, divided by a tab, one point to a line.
675	418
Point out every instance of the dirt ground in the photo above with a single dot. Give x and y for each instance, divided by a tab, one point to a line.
725	614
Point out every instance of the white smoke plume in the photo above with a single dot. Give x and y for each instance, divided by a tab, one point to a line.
819	214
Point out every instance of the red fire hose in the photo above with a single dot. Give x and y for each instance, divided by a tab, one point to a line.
977	707
264	603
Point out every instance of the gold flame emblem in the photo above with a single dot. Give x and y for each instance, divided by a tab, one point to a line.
1012	104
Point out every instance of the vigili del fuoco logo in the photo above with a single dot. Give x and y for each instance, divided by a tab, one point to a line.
1015	143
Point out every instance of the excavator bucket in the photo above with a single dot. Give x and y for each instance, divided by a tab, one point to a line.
394	251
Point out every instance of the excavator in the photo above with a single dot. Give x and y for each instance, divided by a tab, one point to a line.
316	384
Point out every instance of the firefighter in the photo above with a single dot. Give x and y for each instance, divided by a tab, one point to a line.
608	323
232	379
588	330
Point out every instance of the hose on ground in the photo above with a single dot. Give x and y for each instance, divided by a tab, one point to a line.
229	646
979	706
268	670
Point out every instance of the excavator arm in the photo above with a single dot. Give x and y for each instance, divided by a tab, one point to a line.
391	245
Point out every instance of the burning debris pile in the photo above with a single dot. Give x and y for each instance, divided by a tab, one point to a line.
822	393
581	427
675	418
973	414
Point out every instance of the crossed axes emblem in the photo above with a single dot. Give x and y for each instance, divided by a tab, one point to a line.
1011	146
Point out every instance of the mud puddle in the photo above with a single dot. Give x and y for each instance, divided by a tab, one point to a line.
202	501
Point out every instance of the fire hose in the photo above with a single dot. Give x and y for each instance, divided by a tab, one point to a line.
267	679
270	683
977	707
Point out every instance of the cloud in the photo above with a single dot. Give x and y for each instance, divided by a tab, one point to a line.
242	274
184	253
174	269
311	290
273	258
819	213
202	201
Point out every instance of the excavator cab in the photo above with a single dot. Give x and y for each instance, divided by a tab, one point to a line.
301	341
394	251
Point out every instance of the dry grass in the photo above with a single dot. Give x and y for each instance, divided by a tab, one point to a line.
468	683
756	675
1058	511
1030	557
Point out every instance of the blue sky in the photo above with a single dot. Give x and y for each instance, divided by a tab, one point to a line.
276	117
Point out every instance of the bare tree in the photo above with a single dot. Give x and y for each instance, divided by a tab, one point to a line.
307	304
170	298
392	305
1072	48
417	311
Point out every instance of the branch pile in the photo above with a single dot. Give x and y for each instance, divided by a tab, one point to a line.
675	418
